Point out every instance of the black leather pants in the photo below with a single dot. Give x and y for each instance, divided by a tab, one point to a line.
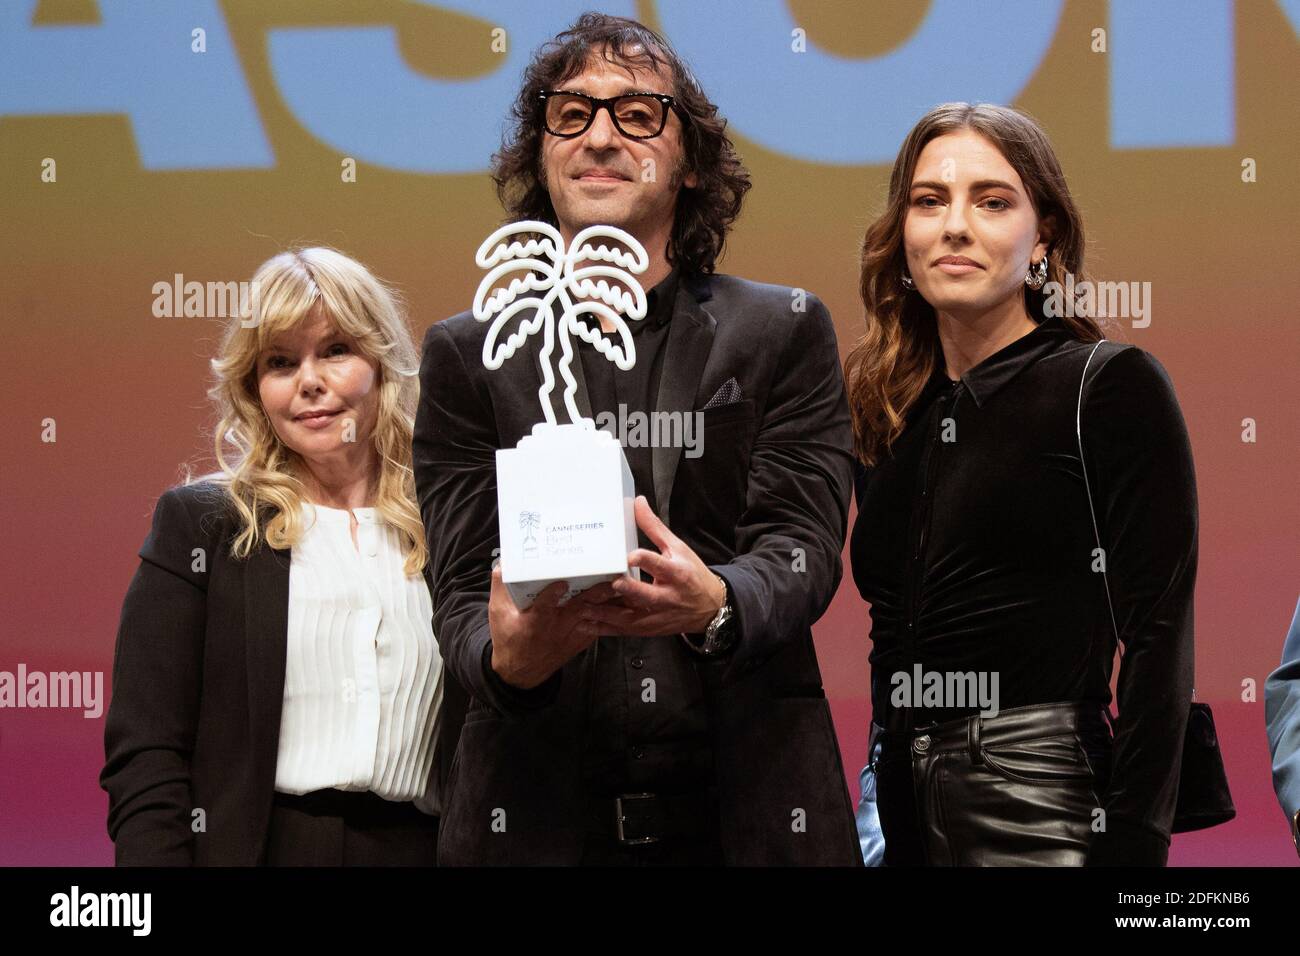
1018	789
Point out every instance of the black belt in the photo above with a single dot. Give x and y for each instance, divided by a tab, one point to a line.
633	819
356	805
1009	726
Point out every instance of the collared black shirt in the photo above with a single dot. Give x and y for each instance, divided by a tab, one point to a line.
636	389
648	730
974	545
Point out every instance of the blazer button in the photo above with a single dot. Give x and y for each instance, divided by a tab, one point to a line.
921	744
638	662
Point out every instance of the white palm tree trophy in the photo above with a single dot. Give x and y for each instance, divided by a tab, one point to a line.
570	484
544	265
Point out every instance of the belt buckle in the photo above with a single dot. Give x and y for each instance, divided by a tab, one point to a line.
620	818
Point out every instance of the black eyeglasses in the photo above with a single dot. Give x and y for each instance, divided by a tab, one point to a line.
635	115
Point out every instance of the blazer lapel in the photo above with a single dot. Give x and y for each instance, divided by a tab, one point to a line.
580	396
690	338
266	626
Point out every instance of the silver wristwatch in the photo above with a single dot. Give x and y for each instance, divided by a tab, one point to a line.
721	632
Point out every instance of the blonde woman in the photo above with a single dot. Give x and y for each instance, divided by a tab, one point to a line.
278	692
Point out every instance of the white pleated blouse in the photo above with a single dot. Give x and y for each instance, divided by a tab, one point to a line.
363	674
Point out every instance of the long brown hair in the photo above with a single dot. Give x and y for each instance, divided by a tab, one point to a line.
705	213
889	366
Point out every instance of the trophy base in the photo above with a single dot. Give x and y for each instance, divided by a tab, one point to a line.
564	510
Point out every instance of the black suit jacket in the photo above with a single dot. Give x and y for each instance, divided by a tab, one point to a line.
198	686
765	505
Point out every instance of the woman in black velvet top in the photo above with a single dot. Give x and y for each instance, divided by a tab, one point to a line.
993	635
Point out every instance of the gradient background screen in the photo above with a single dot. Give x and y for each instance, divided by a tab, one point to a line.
173	162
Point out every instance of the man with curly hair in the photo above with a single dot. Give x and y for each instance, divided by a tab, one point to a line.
679	719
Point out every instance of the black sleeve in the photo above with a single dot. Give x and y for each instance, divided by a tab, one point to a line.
791	533
157	677
455	445
1144	489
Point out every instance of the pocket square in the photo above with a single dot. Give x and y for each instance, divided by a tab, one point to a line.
728	394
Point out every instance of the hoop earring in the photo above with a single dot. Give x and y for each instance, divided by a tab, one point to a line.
907	281
1037	274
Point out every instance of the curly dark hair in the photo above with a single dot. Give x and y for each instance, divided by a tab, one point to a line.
705	213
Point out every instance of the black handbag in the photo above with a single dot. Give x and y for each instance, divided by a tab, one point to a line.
1203	796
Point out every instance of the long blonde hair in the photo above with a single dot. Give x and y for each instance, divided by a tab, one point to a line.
887	369
255	467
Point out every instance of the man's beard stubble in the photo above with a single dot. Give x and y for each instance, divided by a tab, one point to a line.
675	180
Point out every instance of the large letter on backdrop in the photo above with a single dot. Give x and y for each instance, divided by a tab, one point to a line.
351	89
1171	74
188	110
824	108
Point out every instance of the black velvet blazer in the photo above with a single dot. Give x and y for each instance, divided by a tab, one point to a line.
765	505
